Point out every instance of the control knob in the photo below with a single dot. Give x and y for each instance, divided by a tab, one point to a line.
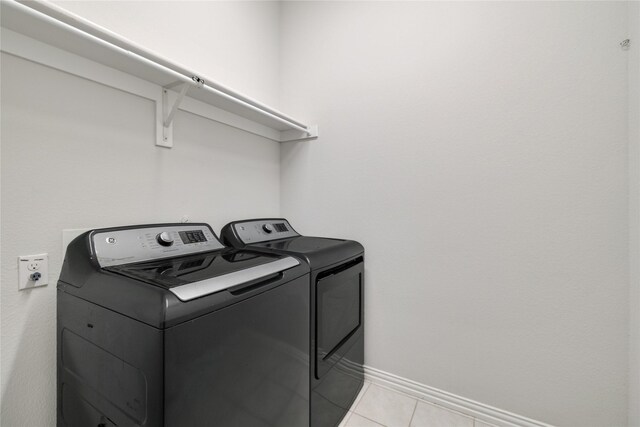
268	228
164	239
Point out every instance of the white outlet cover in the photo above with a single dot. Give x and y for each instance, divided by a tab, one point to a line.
30	264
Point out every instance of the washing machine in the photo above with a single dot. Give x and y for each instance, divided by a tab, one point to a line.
161	325
337	308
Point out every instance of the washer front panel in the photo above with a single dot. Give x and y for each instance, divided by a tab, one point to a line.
129	245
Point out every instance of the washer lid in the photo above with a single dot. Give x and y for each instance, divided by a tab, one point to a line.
194	276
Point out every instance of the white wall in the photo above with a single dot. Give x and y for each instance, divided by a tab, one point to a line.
479	152
234	43
634	213
78	154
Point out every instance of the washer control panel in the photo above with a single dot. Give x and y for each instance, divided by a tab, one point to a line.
263	230
116	246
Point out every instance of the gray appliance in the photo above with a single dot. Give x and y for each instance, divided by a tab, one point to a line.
337	308
161	325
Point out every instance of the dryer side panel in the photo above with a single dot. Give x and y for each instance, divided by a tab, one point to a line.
109	367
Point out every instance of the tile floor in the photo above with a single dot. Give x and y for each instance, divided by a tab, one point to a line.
377	406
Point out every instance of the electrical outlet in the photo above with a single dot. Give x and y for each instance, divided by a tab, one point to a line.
33	271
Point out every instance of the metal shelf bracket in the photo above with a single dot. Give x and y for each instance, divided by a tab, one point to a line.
169	112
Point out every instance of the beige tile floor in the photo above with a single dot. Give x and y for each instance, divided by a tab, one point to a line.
377	406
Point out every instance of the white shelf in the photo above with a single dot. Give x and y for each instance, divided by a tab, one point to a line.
48	24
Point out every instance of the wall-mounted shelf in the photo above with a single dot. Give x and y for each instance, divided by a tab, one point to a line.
29	28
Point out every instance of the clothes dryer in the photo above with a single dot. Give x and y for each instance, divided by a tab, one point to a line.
337	308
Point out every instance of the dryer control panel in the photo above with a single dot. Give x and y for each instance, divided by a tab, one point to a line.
117	246
263	230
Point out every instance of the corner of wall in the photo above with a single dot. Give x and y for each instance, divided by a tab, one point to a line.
634	213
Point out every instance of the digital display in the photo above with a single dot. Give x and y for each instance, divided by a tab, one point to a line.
193	236
280	227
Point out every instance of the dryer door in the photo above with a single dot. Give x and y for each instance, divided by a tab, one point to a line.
339	312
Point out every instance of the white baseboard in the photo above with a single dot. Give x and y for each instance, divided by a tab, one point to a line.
474	409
